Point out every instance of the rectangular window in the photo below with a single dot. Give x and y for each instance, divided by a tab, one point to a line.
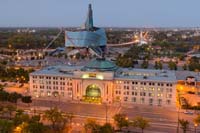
133	99
159	94
159	102
125	99
150	101
168	102
142	100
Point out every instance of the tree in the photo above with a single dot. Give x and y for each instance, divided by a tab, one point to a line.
3	95
184	67
6	126
13	97
156	65
78	56
141	123
70	116
56	118
184	124
92	126
20	117
145	64
66	56
194	64
35	126
22	128
11	109
197	120
107	128
172	65
27	99
123	61
121	121
160	66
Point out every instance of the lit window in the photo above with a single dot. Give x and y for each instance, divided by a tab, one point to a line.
48	93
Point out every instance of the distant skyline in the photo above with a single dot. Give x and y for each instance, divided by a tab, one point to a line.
107	13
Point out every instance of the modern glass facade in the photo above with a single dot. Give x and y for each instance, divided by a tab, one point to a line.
85	38
90	36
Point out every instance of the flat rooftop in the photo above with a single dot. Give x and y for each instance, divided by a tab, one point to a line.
121	73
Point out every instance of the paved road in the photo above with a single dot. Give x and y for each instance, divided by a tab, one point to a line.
83	109
162	119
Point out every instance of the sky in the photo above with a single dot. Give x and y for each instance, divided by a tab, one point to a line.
107	13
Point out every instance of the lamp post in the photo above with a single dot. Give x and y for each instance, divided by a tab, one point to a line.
106	107
195	127
120	101
195	108
178	112
178	119
179	106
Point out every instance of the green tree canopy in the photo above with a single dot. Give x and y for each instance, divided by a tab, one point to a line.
141	123
184	124
121	120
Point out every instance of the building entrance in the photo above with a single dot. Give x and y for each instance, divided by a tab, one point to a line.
93	94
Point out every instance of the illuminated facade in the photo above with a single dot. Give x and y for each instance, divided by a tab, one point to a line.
102	81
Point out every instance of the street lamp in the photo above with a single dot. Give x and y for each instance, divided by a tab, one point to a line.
106	112
195	127
178	109
120	101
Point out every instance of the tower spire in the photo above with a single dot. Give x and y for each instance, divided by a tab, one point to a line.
89	20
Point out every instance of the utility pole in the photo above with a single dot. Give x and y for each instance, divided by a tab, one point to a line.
178	119
179	103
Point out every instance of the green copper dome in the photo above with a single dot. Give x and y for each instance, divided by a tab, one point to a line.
101	64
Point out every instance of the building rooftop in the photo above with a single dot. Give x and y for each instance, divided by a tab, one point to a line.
100	64
182	75
146	74
104	66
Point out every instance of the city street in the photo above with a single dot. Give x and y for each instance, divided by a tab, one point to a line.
160	118
80	109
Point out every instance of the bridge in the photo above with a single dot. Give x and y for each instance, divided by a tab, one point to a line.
123	44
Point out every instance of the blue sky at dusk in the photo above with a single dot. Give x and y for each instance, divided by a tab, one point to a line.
109	13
